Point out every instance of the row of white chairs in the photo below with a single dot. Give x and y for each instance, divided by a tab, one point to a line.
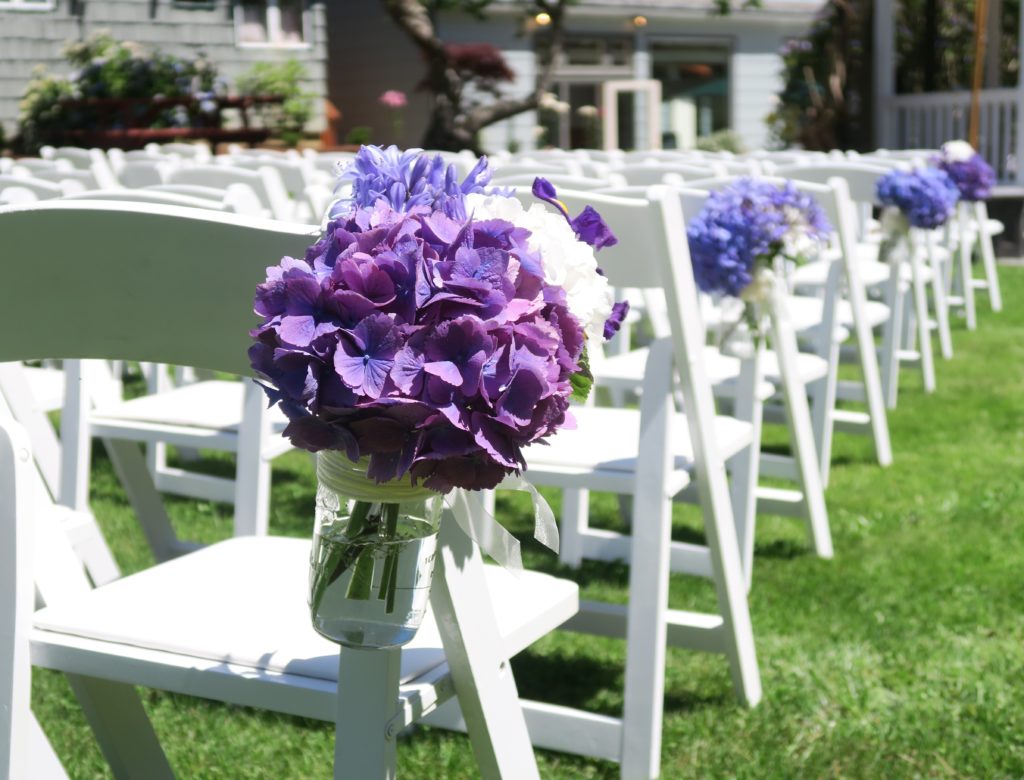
672	452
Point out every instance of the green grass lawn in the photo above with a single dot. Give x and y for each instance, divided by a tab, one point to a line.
903	657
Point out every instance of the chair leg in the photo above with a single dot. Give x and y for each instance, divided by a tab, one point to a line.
988	257
365	739
575	517
966	249
868	357
892	337
798	419
939	297
924	336
745	465
823	404
646	637
133	474
252	470
42	759
121	727
481	671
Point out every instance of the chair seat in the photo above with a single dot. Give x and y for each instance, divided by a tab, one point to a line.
872	272
601	452
46	386
806	313
626	372
213	405
242	603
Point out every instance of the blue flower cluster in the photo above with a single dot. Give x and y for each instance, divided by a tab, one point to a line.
973	177
926	196
745	224
408	180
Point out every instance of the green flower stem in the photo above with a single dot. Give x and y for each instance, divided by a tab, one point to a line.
361	584
369	524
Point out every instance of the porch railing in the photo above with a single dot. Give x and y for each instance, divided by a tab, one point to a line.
926	120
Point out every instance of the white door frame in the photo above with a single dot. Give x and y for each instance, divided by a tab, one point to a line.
610	91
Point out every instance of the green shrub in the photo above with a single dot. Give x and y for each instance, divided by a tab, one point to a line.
722	141
361	134
106	68
284	79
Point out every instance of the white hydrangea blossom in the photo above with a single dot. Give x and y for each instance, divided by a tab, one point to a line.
797	243
568	262
957	151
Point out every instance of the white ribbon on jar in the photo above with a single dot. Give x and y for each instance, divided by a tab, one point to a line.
349	479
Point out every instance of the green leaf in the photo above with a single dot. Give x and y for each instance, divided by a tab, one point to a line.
582	381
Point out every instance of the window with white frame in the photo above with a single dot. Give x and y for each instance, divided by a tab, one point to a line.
27	5
270	23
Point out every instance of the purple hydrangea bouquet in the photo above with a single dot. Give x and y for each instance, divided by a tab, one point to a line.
435	330
924	197
745	231
973	177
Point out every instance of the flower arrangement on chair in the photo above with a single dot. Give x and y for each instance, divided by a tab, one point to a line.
922	198
745	232
432	332
971	174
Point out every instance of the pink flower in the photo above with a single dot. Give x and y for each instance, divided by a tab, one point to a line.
393	98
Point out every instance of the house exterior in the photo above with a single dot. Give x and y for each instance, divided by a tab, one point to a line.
232	34
716	72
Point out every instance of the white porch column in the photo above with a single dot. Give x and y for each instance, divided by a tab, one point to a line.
641	70
884	35
1018	146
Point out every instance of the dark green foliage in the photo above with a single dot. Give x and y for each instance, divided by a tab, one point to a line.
102	68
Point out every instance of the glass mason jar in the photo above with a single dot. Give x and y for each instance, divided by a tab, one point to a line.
372	559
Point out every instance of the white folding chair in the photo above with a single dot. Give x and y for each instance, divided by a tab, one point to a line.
43	189
972	228
561	181
652	455
239	198
532	168
265	182
828	321
227	622
646	174
151	196
922	268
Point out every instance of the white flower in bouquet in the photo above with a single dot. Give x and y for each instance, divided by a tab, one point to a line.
568	262
894	222
957	151
798	243
760	288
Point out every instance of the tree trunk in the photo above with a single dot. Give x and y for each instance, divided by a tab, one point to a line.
454	126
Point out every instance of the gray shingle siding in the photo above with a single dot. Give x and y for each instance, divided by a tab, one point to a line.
31	38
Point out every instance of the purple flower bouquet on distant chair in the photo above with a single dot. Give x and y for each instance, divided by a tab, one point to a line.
744	232
434	331
971	174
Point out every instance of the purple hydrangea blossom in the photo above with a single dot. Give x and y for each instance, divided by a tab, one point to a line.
408	180
427	341
925	196
744	225
587	225
974	177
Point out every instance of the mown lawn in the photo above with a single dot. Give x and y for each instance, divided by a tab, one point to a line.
903	657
